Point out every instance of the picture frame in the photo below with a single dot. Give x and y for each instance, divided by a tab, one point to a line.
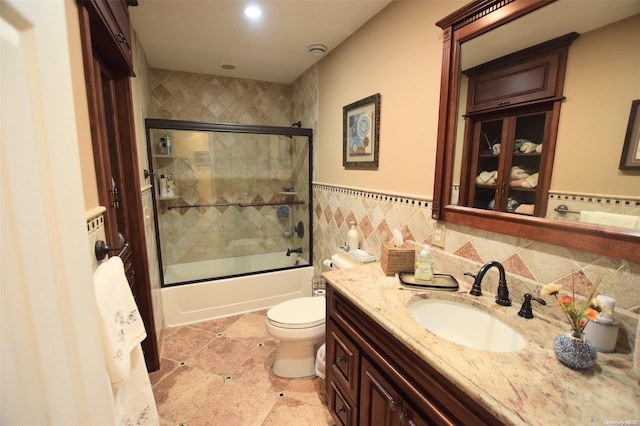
630	159
361	133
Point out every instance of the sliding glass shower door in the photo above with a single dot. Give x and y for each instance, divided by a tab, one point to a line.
229	199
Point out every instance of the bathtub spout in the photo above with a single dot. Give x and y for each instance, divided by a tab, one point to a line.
298	250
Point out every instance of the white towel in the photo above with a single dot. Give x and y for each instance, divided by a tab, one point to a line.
133	400
609	219
122	327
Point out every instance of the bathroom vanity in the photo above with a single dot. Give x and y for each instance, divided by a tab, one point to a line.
385	368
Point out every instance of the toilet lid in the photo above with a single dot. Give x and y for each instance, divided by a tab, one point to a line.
303	312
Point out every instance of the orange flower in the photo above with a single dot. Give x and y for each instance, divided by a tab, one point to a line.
565	301
591	314
577	315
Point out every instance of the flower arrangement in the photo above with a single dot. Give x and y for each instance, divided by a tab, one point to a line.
578	314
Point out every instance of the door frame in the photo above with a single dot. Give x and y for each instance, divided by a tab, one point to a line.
130	190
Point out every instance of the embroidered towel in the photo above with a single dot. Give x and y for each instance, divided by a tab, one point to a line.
134	401
122	327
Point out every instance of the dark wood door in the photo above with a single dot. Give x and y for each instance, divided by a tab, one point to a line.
116	165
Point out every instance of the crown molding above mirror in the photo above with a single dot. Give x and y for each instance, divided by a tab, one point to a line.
475	19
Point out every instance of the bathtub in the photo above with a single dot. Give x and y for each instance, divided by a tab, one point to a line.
202	301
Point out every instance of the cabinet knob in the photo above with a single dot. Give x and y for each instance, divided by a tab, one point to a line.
341	409
341	359
393	404
403	416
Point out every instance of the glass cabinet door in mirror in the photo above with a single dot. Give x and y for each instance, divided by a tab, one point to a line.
512	147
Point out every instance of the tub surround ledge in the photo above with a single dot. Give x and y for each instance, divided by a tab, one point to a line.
530	386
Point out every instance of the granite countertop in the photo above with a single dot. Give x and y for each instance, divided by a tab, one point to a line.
530	386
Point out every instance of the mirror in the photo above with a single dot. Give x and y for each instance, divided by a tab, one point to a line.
519	25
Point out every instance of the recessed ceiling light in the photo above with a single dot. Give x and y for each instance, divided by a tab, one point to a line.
228	67
252	11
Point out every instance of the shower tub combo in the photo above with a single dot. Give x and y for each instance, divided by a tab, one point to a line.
201	301
231	203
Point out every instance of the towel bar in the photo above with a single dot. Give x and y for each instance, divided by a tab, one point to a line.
102	249
564	209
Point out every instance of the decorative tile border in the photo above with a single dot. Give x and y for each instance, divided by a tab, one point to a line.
596	199
94	224
375	196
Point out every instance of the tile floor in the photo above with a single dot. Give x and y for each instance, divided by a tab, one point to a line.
219	373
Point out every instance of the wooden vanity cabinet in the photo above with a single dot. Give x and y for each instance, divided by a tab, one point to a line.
374	379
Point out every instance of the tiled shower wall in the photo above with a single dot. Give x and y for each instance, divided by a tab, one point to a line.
234	168
528	263
248	169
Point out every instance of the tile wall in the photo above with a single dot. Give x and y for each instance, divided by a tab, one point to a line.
252	169
528	263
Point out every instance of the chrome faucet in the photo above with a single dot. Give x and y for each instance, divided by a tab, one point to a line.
502	297
298	250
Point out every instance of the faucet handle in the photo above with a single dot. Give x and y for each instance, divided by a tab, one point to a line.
476	290
525	310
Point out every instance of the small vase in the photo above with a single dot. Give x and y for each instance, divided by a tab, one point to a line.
575	352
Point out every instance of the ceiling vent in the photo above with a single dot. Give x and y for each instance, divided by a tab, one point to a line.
317	49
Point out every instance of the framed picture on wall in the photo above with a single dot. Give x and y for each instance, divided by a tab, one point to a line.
360	132
631	149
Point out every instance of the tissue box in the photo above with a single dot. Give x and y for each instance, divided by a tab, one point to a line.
397	259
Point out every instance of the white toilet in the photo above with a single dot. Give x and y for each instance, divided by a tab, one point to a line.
299	325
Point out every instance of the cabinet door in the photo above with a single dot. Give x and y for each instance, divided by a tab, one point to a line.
507	162
518	83
380	405
523	186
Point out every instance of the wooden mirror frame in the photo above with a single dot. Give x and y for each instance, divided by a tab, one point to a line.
470	21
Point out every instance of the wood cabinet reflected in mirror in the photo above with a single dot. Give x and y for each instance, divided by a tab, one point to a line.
583	121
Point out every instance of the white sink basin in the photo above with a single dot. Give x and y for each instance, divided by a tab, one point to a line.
465	325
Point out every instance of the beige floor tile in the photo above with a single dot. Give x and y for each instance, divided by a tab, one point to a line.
166	367
251	327
292	412
196	394
235	403
305	390
185	342
223	355
217	325
257	370
183	391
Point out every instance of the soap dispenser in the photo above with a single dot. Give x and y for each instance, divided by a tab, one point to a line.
424	265
352	237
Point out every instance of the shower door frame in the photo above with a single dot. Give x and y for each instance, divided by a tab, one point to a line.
185	125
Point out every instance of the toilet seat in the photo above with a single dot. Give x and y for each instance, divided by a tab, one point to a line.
303	312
